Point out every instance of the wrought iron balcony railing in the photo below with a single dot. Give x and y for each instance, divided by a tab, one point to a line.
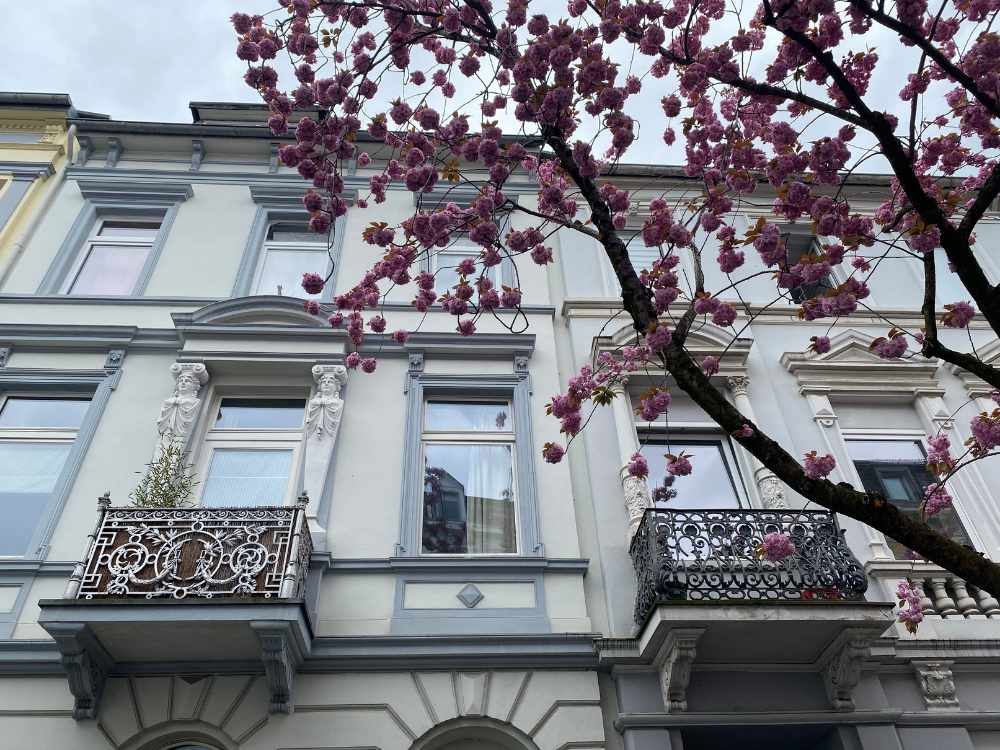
714	555
195	552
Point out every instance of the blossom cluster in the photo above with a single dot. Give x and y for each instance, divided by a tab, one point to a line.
910	612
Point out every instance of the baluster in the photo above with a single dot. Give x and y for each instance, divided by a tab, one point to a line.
290	581
988	604
965	603
944	605
926	605
80	569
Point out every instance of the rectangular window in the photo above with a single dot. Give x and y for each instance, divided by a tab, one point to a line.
714	483
469	496
36	436
114	256
798	246
290	250
251	450
444	266
897	469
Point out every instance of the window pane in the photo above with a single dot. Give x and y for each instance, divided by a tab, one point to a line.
283	269
897	470
446	274
469	499
111	269
478	416
289	231
278	413
43	412
709	485
247	477
139	230
29	472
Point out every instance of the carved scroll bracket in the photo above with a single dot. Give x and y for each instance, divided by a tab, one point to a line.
673	663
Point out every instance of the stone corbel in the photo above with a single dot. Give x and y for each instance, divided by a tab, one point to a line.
673	663
842	669
4	355
114	153
322	424
281	657
197	154
86	664
937	685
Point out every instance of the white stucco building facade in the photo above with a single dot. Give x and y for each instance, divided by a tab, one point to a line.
406	571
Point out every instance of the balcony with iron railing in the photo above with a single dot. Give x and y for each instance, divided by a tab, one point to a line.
707	596
186	590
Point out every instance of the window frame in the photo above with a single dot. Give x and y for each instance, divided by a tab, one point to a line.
267	246
514	388
905	435
472	437
95	385
94	238
250	438
115	199
658	434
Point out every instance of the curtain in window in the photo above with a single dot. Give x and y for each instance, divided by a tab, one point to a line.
247	478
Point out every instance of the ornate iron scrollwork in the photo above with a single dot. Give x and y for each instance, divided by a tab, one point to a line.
712	555
200	552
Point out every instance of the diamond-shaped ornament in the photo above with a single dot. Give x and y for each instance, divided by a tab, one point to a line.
470	595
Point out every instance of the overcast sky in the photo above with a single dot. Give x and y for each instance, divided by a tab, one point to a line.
135	60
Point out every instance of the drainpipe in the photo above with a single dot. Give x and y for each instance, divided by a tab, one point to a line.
17	248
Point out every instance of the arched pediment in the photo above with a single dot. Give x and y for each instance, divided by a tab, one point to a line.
851	369
474	732
257	310
704	339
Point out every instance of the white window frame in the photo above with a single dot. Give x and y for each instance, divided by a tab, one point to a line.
94	238
908	435
250	438
320	247
471	437
658	434
42	435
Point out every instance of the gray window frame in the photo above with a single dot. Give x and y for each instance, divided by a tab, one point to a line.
116	199
94	384
516	389
283	203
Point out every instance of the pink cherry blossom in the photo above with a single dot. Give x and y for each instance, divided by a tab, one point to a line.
777	546
819	467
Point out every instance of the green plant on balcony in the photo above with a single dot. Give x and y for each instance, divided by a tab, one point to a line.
167	482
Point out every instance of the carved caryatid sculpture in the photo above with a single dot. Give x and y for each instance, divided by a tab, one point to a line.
323	414
179	411
325	408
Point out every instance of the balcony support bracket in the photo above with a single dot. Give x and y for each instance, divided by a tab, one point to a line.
842	666
86	664
673	664
281	656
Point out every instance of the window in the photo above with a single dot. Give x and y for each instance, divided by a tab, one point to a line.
36	436
896	468
290	250
114	256
444	264
714	483
798	245
251	448
469	496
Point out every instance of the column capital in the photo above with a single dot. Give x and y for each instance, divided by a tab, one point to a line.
739	385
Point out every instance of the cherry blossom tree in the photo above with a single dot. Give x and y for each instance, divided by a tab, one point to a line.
780	93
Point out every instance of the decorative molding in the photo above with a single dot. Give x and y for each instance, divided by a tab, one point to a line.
470	595
5	352
937	685
738	385
27	170
771	489
114	359
144	192
673	664
86	664
281	657
850	369
115	152
197	154
842	670
637	501
322	423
